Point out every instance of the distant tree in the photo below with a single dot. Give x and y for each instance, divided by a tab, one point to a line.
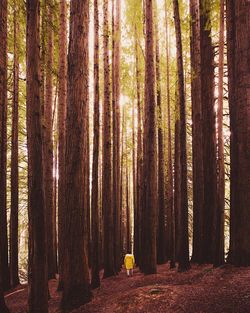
76	289
183	251
149	151
219	257
48	140
38	275
14	278
238	66
3	147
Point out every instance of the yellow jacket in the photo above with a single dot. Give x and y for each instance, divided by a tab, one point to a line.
129	261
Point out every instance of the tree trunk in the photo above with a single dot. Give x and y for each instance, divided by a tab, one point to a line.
238	29
76	272
95	278
183	255
161	233
197	143
48	142
219	235
14	278
149	153
109	266
128	225
62	101
3	147
116	26
170	240
139	165
38	275
209	133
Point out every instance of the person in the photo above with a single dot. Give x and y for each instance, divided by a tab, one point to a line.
129	263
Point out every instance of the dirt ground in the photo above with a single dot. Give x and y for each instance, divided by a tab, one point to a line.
200	290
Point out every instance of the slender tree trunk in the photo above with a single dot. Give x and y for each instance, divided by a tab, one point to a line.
183	255
170	240
128	224
161	234
238	30
14	278
95	278
76	272
62	100
116	25
48	141
3	147
219	240
3	306
149	153
209	132
139	165
109	266
197	143
38	275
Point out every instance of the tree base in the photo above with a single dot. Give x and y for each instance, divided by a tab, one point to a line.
75	297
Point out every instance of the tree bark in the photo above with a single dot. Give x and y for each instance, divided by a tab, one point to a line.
3	147
238	30
183	253
109	266
38	275
62	103
149	153
161	231
14	278
219	235
48	142
76	272
197	143
95	277
209	132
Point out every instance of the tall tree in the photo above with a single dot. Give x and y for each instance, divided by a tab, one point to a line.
76	273
95	264
38	275
219	242
62	102
197	142
183	253
3	306
238	30
149	151
170	240
14	278
107	207
48	142
116	38
161	231
3	147
208	131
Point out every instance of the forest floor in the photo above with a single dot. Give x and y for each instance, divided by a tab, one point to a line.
200	290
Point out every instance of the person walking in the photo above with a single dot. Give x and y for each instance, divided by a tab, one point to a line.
129	263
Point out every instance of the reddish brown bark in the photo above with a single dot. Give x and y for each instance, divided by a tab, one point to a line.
48	142
238	29
107	207
3	147
62	99
14	278
149	152
95	266
183	251
38	284
76	272
208	132
197	143
220	219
